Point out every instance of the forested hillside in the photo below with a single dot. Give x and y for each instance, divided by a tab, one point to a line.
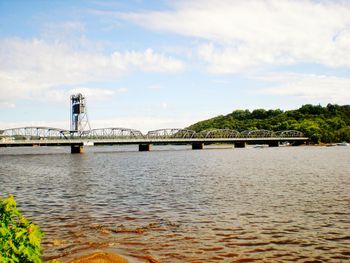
320	124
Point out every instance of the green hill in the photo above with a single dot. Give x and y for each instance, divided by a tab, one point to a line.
320	124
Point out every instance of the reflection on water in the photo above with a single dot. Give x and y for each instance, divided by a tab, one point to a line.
179	205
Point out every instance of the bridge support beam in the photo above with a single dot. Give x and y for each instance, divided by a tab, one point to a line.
274	144
240	144
76	148
144	147
197	146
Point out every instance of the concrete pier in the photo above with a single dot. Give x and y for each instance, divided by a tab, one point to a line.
240	144
197	146
76	148
144	147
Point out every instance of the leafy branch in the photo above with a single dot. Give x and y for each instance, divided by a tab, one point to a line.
20	239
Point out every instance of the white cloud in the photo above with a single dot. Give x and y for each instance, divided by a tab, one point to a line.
148	61
229	60
313	88
30	68
244	34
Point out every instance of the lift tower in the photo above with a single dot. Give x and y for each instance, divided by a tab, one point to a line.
79	124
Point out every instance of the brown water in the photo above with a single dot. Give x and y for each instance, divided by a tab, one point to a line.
178	205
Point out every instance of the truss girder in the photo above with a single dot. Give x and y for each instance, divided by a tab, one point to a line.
218	133
34	132
114	133
289	133
171	133
257	134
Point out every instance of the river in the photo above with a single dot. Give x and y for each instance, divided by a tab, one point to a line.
179	205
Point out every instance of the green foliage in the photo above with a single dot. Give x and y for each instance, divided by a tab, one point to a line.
343	134
320	124
19	238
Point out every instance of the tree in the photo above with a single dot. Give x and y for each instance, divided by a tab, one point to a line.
259	114
320	124
19	238
343	134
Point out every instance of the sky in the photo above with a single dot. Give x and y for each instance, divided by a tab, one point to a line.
149	65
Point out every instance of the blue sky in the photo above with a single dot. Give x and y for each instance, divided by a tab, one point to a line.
162	64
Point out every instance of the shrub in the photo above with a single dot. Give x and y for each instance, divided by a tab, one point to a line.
19	238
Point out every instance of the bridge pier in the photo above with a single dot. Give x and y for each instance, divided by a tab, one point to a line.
76	148
197	146
240	144
144	147
274	144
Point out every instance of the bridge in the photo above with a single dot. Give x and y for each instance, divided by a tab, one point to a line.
80	135
48	136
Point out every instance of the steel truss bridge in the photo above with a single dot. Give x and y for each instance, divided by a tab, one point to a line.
49	136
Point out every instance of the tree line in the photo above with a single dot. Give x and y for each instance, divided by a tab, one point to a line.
321	124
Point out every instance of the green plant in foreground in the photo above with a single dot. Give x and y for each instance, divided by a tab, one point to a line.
19	238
